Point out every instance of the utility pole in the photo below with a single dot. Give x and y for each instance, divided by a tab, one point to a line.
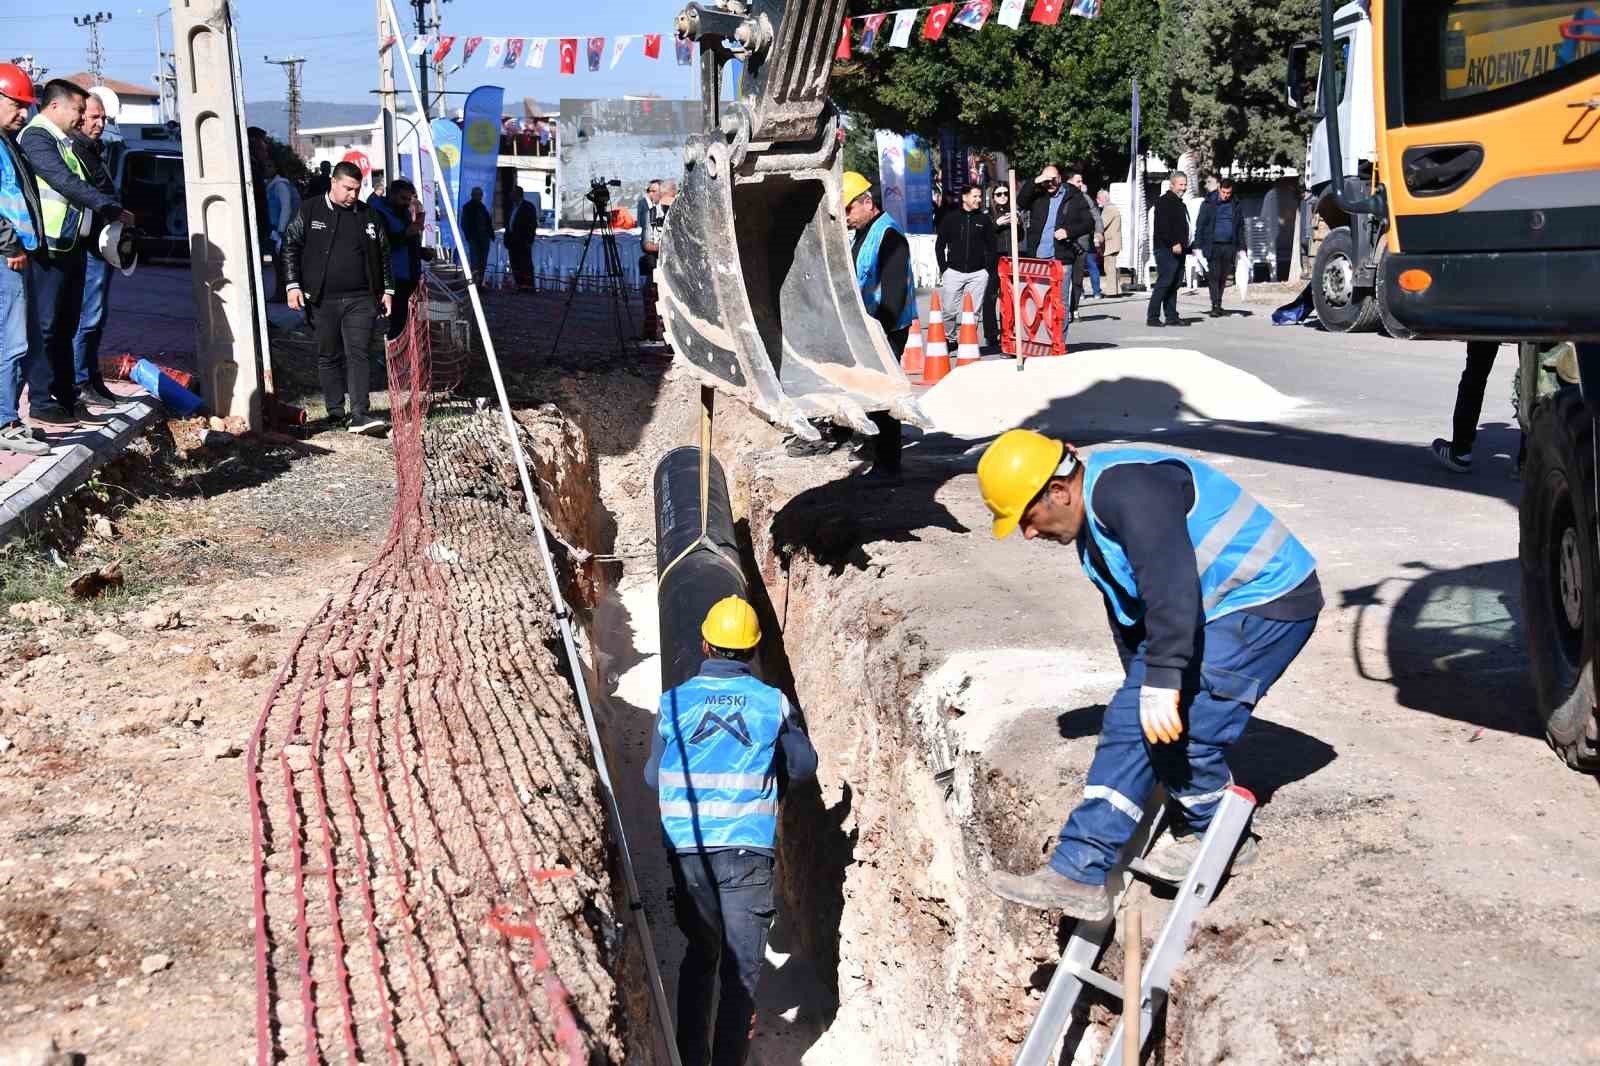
421	8
291	67
97	56
386	97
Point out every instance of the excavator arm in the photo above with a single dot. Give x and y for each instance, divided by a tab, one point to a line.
757	285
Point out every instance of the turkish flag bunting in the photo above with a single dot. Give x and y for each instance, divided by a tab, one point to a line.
569	55
938	19
1047	12
843	51
445	44
467	49
652	45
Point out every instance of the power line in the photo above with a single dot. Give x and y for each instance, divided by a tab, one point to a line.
291	67
97	57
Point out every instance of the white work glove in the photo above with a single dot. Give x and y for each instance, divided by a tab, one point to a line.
1158	714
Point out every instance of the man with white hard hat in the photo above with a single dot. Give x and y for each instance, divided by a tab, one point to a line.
1210	598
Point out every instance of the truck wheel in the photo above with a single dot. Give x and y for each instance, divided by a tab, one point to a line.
1342	307
1560	569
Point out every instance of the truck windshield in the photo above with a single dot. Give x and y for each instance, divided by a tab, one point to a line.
1465	57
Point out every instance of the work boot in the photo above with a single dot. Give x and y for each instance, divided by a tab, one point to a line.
1046	890
1171	859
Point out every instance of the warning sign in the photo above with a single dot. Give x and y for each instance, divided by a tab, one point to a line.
1043	317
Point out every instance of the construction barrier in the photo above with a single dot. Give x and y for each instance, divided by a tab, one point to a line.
1044	319
936	357
967	334
911	360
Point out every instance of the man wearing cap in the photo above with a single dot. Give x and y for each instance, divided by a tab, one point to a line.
1209	597
21	238
722	741
71	205
883	273
90	148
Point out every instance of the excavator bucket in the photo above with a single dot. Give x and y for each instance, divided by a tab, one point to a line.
757	282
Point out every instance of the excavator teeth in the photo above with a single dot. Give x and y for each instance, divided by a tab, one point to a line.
907	409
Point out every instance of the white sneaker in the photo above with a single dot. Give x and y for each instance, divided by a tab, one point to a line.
19	438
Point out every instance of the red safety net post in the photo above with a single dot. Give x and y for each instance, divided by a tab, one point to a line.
415	777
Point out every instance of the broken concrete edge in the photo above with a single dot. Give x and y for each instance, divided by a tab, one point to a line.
52	477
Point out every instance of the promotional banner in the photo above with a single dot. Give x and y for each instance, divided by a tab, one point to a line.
919	185
480	143
447	136
892	176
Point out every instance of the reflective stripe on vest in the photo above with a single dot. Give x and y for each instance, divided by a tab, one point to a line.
717	782
64	222
1244	554
867	278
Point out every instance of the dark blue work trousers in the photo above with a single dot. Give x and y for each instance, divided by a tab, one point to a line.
723	902
1242	655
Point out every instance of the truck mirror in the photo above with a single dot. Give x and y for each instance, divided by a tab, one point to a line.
1295	77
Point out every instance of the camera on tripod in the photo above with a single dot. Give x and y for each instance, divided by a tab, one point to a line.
598	194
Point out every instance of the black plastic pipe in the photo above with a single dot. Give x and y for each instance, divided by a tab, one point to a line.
692	572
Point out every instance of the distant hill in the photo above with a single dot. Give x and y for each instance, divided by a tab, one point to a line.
270	115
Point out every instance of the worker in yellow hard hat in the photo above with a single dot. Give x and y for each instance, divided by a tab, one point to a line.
721	740
1210	598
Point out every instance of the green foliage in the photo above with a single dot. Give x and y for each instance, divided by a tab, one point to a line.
289	165
1210	75
1042	94
1227	95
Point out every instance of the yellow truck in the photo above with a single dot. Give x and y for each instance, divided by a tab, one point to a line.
1470	210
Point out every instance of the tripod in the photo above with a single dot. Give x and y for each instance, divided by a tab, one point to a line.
616	287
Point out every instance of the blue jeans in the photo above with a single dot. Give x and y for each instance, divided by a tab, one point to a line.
58	292
19	337
1094	272
1242	655
723	903
92	320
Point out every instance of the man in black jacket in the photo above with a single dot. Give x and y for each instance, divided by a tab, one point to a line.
1171	241
336	261
964	250
1077	223
522	229
477	226
1219	233
1043	202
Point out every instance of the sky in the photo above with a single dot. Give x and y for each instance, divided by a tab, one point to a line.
339	43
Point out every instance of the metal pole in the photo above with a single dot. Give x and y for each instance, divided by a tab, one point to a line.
161	82
1016	279
1132	999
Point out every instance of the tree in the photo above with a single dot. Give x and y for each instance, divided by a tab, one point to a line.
1042	94
288	163
1226	99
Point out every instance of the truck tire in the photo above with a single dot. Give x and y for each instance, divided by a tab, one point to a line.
1561	575
1342	307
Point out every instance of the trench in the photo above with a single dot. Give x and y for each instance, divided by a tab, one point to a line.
936	764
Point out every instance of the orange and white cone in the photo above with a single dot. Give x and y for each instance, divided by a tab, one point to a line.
936	358
911	359
967	338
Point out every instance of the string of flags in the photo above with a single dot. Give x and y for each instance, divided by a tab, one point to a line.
507	53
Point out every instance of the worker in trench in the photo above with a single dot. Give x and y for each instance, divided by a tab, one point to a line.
723	741
1209	597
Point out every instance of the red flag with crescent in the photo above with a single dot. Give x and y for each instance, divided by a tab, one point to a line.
1047	12
938	19
569	55
652	45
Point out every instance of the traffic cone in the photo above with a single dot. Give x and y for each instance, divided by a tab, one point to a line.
967	338
911	358
936	359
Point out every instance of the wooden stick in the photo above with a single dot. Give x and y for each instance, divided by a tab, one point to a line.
1132	1004
1016	289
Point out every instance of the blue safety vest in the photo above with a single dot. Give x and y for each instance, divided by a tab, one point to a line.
717	783
1245	555
867	278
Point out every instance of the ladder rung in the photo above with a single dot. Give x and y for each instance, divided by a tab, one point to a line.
1098	980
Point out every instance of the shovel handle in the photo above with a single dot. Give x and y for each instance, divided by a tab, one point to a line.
1132	1005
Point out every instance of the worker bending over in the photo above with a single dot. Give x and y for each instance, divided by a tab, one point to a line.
722	739
1210	598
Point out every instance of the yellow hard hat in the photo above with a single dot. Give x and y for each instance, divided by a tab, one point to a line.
854	185
1012	471
731	623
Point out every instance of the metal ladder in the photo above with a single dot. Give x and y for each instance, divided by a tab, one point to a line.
1089	939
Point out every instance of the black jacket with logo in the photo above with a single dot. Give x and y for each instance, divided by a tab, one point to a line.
308	244
965	242
1172	223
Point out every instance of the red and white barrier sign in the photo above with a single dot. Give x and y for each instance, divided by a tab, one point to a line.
1043	317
